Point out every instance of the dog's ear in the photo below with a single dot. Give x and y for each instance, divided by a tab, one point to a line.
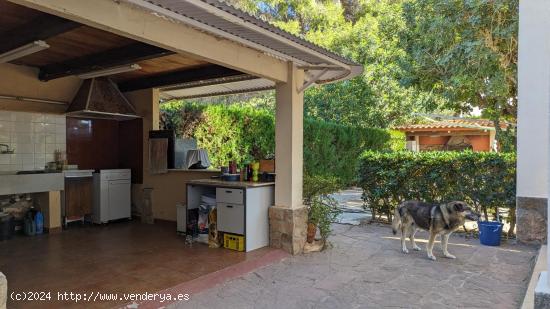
459	206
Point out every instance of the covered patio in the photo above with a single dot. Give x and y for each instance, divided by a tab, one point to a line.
150	51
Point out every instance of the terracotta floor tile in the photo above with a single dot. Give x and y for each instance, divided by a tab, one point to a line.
118	257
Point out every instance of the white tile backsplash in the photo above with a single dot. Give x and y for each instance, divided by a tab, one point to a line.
50	138
34	136
5	159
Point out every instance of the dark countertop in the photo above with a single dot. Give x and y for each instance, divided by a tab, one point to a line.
229	184
215	171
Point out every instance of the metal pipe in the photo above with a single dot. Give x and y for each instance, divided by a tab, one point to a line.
33	100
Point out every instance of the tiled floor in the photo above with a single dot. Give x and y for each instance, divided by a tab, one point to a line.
120	257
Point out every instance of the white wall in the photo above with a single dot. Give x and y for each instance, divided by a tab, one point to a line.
534	98
34	136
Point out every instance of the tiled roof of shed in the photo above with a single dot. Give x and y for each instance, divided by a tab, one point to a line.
458	123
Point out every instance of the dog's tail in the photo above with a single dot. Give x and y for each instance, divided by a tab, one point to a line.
396	222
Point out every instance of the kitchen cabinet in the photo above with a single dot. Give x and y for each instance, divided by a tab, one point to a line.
78	196
243	207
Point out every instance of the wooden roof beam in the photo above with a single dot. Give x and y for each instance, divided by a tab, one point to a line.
178	77
40	28
103	60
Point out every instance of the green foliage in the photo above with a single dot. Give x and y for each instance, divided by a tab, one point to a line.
420	56
367	31
334	149
466	51
317	185
485	180
322	209
398	140
244	134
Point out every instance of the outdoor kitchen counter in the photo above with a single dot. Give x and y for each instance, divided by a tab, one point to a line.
242	207
184	170
229	184
30	183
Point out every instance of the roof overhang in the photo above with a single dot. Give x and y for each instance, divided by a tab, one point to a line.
222	20
210	47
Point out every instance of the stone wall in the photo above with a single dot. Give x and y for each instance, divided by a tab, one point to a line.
288	228
531	213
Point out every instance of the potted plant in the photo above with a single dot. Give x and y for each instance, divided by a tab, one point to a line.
322	209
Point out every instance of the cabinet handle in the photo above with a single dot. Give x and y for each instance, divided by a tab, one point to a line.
229	206
228	191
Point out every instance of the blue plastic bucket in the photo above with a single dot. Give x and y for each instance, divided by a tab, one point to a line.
489	232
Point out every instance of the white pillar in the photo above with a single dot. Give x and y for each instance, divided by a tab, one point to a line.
533	116
289	118
288	217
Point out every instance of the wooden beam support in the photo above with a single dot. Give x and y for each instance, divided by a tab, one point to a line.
40	28
178	77
103	60
124	19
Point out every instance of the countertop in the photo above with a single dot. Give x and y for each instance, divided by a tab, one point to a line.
229	184
31	183
194	170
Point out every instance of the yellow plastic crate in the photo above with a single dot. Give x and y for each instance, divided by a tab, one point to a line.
233	242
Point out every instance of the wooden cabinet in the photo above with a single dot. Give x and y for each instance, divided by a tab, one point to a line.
78	196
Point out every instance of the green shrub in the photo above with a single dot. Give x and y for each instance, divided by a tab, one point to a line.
322	208
485	180
234	132
397	140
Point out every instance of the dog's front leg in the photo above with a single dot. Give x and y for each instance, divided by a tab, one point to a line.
444	243
430	246
403	239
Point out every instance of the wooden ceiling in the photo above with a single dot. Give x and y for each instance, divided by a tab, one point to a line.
77	49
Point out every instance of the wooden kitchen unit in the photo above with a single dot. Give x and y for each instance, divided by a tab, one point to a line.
77	198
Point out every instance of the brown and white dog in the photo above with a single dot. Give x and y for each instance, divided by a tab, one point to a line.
438	219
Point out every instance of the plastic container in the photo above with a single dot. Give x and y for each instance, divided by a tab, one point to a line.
6	226
489	232
233	242
29	226
39	222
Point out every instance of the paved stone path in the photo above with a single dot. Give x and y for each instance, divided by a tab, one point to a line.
365	269
352	205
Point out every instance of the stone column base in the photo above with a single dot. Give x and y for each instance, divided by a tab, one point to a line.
542	292
288	228
531	214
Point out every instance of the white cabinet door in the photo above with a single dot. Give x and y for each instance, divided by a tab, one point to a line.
119	199
231	218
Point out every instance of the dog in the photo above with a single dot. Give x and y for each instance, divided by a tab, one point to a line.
438	219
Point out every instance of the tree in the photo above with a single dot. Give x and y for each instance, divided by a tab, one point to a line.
367	31
466	51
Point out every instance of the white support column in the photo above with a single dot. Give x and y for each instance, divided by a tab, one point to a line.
533	120
288	217
289	119
533	153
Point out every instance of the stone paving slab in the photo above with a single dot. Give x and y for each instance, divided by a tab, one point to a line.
366	269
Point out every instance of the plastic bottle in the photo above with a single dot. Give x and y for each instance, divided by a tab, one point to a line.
39	221
28	225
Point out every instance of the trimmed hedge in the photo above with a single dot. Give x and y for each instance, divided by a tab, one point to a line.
233	132
485	180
